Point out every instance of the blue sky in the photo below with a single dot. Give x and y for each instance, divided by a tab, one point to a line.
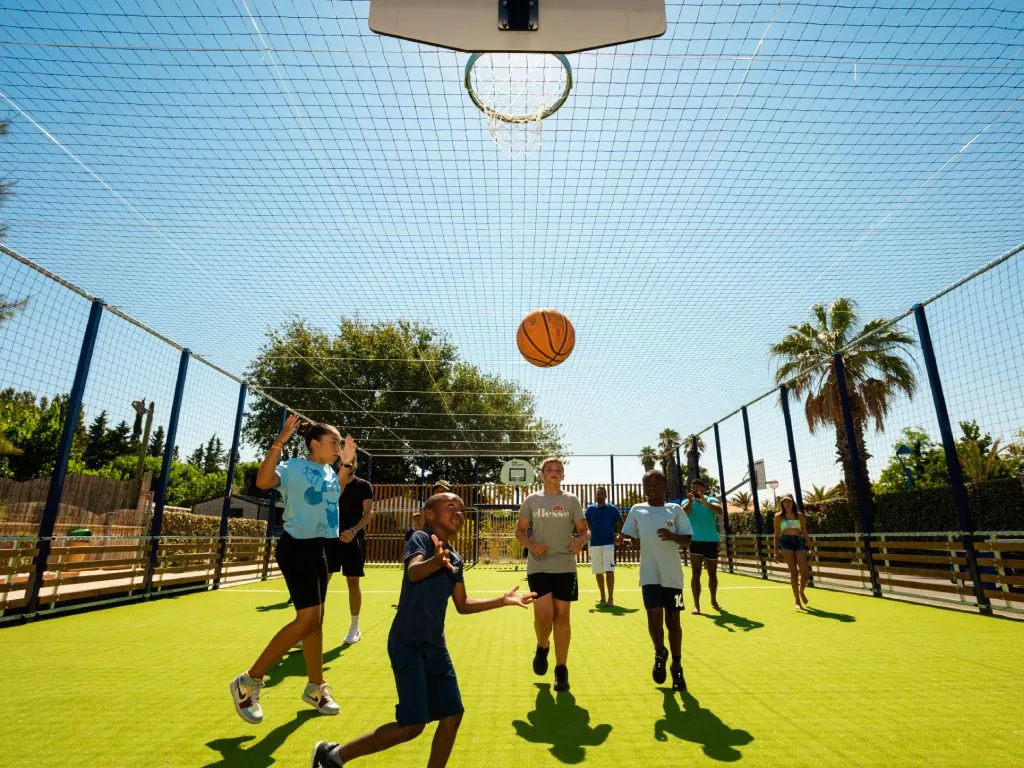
693	197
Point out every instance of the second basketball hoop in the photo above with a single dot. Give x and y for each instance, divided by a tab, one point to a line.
516	91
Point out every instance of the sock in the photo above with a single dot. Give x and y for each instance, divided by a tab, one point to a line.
543	651
333	759
355	621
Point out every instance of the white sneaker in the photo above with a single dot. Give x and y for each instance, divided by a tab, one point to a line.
319	696
245	692
353	636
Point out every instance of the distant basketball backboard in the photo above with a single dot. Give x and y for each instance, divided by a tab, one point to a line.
512	26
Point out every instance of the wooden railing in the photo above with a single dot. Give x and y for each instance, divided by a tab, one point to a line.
924	567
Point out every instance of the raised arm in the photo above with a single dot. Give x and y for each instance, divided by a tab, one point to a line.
466	604
266	477
420	567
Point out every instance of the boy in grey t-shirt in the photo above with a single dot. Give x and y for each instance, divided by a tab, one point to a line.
552	528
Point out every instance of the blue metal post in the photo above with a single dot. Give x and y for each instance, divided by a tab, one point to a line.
226	509
476	511
725	501
272	512
859	481
758	521
956	475
60	468
160	498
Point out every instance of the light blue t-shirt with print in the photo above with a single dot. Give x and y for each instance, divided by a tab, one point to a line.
659	560
703	519
310	492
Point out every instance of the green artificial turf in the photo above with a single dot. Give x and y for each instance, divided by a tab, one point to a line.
861	681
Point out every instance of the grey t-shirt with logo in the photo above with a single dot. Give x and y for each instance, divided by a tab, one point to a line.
552	520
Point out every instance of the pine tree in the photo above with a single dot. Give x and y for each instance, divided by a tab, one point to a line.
94	450
196	458
214	456
156	443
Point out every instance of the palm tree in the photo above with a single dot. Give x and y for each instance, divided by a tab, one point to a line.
694	447
819	494
980	464
648	457
668	441
877	371
743	500
9	309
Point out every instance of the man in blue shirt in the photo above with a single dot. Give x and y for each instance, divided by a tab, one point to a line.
427	687
703	512
603	519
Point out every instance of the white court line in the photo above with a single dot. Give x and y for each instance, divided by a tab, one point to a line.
240	588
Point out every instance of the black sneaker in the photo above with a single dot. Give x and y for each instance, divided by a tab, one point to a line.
321	755
658	673
540	661
561	678
678	681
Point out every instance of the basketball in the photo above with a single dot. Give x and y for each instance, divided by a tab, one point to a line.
546	338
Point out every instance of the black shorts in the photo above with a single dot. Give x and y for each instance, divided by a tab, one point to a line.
561	586
304	567
348	558
425	678
706	549
657	596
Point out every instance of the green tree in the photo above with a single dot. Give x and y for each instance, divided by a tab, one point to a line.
981	455
213	456
877	372
648	457
668	441
926	462
197	458
743	500
819	494
156	442
710	482
694	447
9	309
394	386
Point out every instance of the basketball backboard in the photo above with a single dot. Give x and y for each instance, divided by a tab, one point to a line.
513	26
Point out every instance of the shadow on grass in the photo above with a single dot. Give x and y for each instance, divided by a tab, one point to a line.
727	620
233	753
612	610
557	721
292	664
286	603
843	617
700	726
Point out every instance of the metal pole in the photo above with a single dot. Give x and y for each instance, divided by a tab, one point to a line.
60	468
725	501
476	511
797	490
758	522
160	498
860	484
956	476
271	513
611	491
226	509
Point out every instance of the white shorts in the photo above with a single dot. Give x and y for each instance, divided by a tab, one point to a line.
602	559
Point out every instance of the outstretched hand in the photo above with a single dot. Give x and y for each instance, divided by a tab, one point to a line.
288	428
442	554
512	597
348	450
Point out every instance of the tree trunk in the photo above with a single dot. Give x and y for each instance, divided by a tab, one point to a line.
844	458
671	469
692	465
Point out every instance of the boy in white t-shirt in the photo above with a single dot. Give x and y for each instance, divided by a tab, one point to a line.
661	528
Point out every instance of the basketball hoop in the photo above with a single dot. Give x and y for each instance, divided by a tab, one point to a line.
515	91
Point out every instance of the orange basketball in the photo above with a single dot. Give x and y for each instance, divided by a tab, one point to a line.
546	337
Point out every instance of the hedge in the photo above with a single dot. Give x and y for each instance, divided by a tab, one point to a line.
997	505
189	524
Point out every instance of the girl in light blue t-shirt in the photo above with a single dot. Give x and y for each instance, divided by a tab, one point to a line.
310	488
